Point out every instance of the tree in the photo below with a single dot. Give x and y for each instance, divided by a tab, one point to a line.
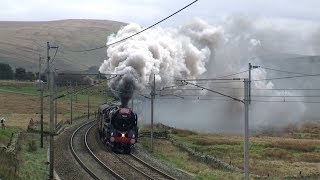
5	71
20	74
30	76
66	79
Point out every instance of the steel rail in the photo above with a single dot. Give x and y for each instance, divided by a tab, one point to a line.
135	168
116	175
153	168
82	164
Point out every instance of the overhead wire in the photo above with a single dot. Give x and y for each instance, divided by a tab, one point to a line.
81	89
128	93
286	77
254	100
54	56
262	89
232	74
100	47
278	70
208	95
222	94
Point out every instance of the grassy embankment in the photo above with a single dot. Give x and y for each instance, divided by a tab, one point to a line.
19	103
278	156
33	162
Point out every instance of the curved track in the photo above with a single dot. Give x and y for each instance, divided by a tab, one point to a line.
100	163
144	168
87	160
129	166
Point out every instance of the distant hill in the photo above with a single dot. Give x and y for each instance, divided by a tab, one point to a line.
22	42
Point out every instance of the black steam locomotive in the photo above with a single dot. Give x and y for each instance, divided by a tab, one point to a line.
117	127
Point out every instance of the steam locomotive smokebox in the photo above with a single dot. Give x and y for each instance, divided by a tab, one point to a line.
123	118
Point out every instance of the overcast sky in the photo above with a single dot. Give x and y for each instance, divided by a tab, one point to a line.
146	12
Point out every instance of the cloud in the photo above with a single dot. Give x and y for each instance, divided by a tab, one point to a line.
146	12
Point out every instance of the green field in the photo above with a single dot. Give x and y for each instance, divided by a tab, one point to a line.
276	156
20	103
5	134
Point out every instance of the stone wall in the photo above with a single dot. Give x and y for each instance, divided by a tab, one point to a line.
12	146
213	161
217	163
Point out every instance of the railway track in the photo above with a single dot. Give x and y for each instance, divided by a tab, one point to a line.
144	168
100	163
128	166
87	160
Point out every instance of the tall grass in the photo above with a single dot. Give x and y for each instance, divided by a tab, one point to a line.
275	153
302	146
33	159
310	157
8	165
5	134
183	132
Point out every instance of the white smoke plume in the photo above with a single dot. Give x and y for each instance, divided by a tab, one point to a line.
167	53
201	50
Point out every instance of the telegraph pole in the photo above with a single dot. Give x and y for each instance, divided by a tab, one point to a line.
71	94
55	106
51	75
246	128
250	68
249	98
41	103
48	64
76	93
247	101
152	101
88	106
50	80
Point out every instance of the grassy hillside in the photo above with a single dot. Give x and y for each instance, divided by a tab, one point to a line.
22	42
22	103
294	151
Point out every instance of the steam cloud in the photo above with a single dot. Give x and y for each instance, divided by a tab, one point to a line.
201	50
167	53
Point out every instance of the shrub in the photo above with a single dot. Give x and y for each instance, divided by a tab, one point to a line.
277	154
310	157
8	165
311	128
297	145
32	146
209	142
183	132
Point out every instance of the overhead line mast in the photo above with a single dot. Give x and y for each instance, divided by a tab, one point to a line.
50	79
